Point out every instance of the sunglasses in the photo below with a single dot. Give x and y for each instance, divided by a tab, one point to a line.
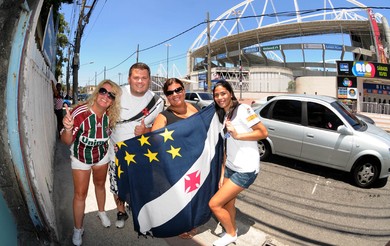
103	91
178	90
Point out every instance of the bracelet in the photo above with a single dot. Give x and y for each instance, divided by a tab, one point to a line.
68	129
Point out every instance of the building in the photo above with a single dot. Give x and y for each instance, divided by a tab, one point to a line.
298	51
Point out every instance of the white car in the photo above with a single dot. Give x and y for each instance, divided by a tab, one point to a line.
323	131
199	99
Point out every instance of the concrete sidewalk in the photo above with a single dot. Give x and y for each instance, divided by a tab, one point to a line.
96	234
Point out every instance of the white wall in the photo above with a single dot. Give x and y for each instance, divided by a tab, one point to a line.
319	85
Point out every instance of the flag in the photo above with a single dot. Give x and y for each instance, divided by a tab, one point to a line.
168	176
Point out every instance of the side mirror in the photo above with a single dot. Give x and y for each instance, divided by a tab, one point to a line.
343	130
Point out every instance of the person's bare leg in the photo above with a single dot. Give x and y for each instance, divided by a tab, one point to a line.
81	183
221	205
99	180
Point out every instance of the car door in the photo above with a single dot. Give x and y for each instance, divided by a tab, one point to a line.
322	143
283	121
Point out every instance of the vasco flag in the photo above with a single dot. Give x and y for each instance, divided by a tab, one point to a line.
168	176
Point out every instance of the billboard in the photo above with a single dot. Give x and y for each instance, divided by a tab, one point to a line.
347	88
363	69
49	41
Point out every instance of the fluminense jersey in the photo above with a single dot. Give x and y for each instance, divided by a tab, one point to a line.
90	135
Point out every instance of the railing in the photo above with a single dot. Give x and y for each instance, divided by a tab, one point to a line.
376	108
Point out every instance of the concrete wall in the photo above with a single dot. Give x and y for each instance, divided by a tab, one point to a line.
27	124
270	79
319	85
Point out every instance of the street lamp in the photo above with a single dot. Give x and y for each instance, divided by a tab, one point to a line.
238	13
168	45
91	62
119	74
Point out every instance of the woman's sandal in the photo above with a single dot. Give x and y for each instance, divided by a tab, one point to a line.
188	235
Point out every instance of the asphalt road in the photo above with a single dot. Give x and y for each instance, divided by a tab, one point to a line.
302	204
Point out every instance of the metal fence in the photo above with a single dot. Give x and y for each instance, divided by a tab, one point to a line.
373	107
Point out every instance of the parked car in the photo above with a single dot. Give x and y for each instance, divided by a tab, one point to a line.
200	99
83	97
323	131
67	102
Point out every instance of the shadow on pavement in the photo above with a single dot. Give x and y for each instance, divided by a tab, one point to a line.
96	234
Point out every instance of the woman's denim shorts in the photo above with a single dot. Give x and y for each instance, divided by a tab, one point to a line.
243	180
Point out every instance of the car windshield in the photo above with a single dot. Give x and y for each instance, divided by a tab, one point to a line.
206	96
348	115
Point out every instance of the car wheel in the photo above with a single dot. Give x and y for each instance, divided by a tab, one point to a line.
264	149
365	173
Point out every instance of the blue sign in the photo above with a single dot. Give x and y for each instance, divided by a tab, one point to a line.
333	47
251	50
221	56
49	41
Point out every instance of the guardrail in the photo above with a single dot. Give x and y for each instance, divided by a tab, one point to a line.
376	108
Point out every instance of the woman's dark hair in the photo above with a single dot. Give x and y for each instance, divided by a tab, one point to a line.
171	81
220	111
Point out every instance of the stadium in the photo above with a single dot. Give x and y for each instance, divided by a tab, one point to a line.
287	48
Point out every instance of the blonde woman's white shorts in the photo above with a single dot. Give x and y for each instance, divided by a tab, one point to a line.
76	164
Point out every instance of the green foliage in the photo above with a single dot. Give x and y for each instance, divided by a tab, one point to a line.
291	86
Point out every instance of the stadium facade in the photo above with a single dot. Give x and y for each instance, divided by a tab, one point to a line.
328	50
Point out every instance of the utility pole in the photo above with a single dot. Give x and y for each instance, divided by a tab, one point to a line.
83	21
168	45
68	73
137	53
208	54
238	13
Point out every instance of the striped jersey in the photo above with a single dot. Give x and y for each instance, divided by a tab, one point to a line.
58	102
90	135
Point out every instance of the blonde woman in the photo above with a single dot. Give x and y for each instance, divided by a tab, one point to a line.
87	129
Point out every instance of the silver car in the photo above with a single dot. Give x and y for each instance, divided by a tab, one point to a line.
199	99
321	130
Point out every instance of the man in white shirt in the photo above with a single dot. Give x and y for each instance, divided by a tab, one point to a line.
139	108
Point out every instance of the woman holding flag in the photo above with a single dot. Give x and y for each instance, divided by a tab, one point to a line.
178	110
242	129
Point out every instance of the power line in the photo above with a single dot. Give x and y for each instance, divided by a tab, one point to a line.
285	13
96	19
278	14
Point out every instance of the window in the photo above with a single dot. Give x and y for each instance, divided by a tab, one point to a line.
193	96
322	117
287	110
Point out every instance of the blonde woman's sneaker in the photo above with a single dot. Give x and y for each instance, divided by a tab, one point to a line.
104	219
77	238
224	233
225	240
120	219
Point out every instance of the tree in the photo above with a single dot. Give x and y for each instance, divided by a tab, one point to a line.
62	43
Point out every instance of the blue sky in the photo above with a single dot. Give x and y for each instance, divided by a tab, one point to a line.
116	27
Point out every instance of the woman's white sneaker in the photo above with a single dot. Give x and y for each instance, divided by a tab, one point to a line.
225	240
104	219
77	238
224	233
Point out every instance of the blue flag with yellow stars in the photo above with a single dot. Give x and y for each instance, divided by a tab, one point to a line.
168	176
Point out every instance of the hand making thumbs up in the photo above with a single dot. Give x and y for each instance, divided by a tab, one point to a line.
141	129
